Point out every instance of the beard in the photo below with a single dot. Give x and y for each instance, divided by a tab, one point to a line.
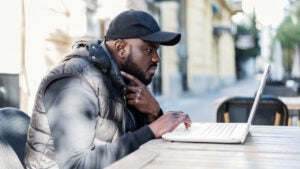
133	69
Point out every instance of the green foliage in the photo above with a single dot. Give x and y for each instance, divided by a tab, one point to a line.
248	30
288	33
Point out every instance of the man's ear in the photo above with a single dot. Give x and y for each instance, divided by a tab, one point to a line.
120	46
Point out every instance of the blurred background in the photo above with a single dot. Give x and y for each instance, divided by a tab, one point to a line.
223	41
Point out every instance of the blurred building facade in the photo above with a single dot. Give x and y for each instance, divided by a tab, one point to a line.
202	61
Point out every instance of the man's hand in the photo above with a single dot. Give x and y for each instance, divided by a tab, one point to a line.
169	122
140	97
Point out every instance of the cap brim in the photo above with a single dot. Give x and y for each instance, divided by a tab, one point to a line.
163	38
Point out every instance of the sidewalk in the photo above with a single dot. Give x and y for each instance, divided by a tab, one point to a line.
201	108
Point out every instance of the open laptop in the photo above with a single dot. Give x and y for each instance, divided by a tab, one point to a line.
219	132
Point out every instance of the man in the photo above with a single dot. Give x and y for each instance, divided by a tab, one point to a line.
94	108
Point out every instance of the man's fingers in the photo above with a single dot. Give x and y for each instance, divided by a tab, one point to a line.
185	119
131	78
131	96
187	124
135	89
169	122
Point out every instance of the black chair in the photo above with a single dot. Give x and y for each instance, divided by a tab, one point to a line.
283	91
8	157
270	111
13	128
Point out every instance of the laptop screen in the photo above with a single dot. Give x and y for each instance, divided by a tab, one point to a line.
259	93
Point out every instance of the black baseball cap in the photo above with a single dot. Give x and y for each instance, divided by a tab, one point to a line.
139	24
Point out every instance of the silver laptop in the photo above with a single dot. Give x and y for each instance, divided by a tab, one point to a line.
219	132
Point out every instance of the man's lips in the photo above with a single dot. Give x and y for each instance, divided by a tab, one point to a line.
152	69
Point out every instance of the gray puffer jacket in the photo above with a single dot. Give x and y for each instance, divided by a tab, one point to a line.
118	130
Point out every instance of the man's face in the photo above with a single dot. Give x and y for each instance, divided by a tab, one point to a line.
142	60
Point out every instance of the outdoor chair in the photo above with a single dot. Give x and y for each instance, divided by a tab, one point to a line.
283	91
14	124
270	111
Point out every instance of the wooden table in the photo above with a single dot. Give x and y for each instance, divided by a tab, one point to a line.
292	103
270	147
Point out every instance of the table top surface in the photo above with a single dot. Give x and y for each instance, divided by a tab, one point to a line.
292	103
265	147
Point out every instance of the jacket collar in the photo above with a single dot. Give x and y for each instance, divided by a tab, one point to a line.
99	55
107	63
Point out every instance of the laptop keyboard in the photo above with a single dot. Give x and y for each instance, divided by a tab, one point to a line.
209	130
215	130
225	130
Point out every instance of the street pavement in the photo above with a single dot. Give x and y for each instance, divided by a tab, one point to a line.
201	108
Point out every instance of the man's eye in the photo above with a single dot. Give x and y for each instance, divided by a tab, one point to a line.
148	50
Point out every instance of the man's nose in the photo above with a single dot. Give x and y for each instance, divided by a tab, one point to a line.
155	58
